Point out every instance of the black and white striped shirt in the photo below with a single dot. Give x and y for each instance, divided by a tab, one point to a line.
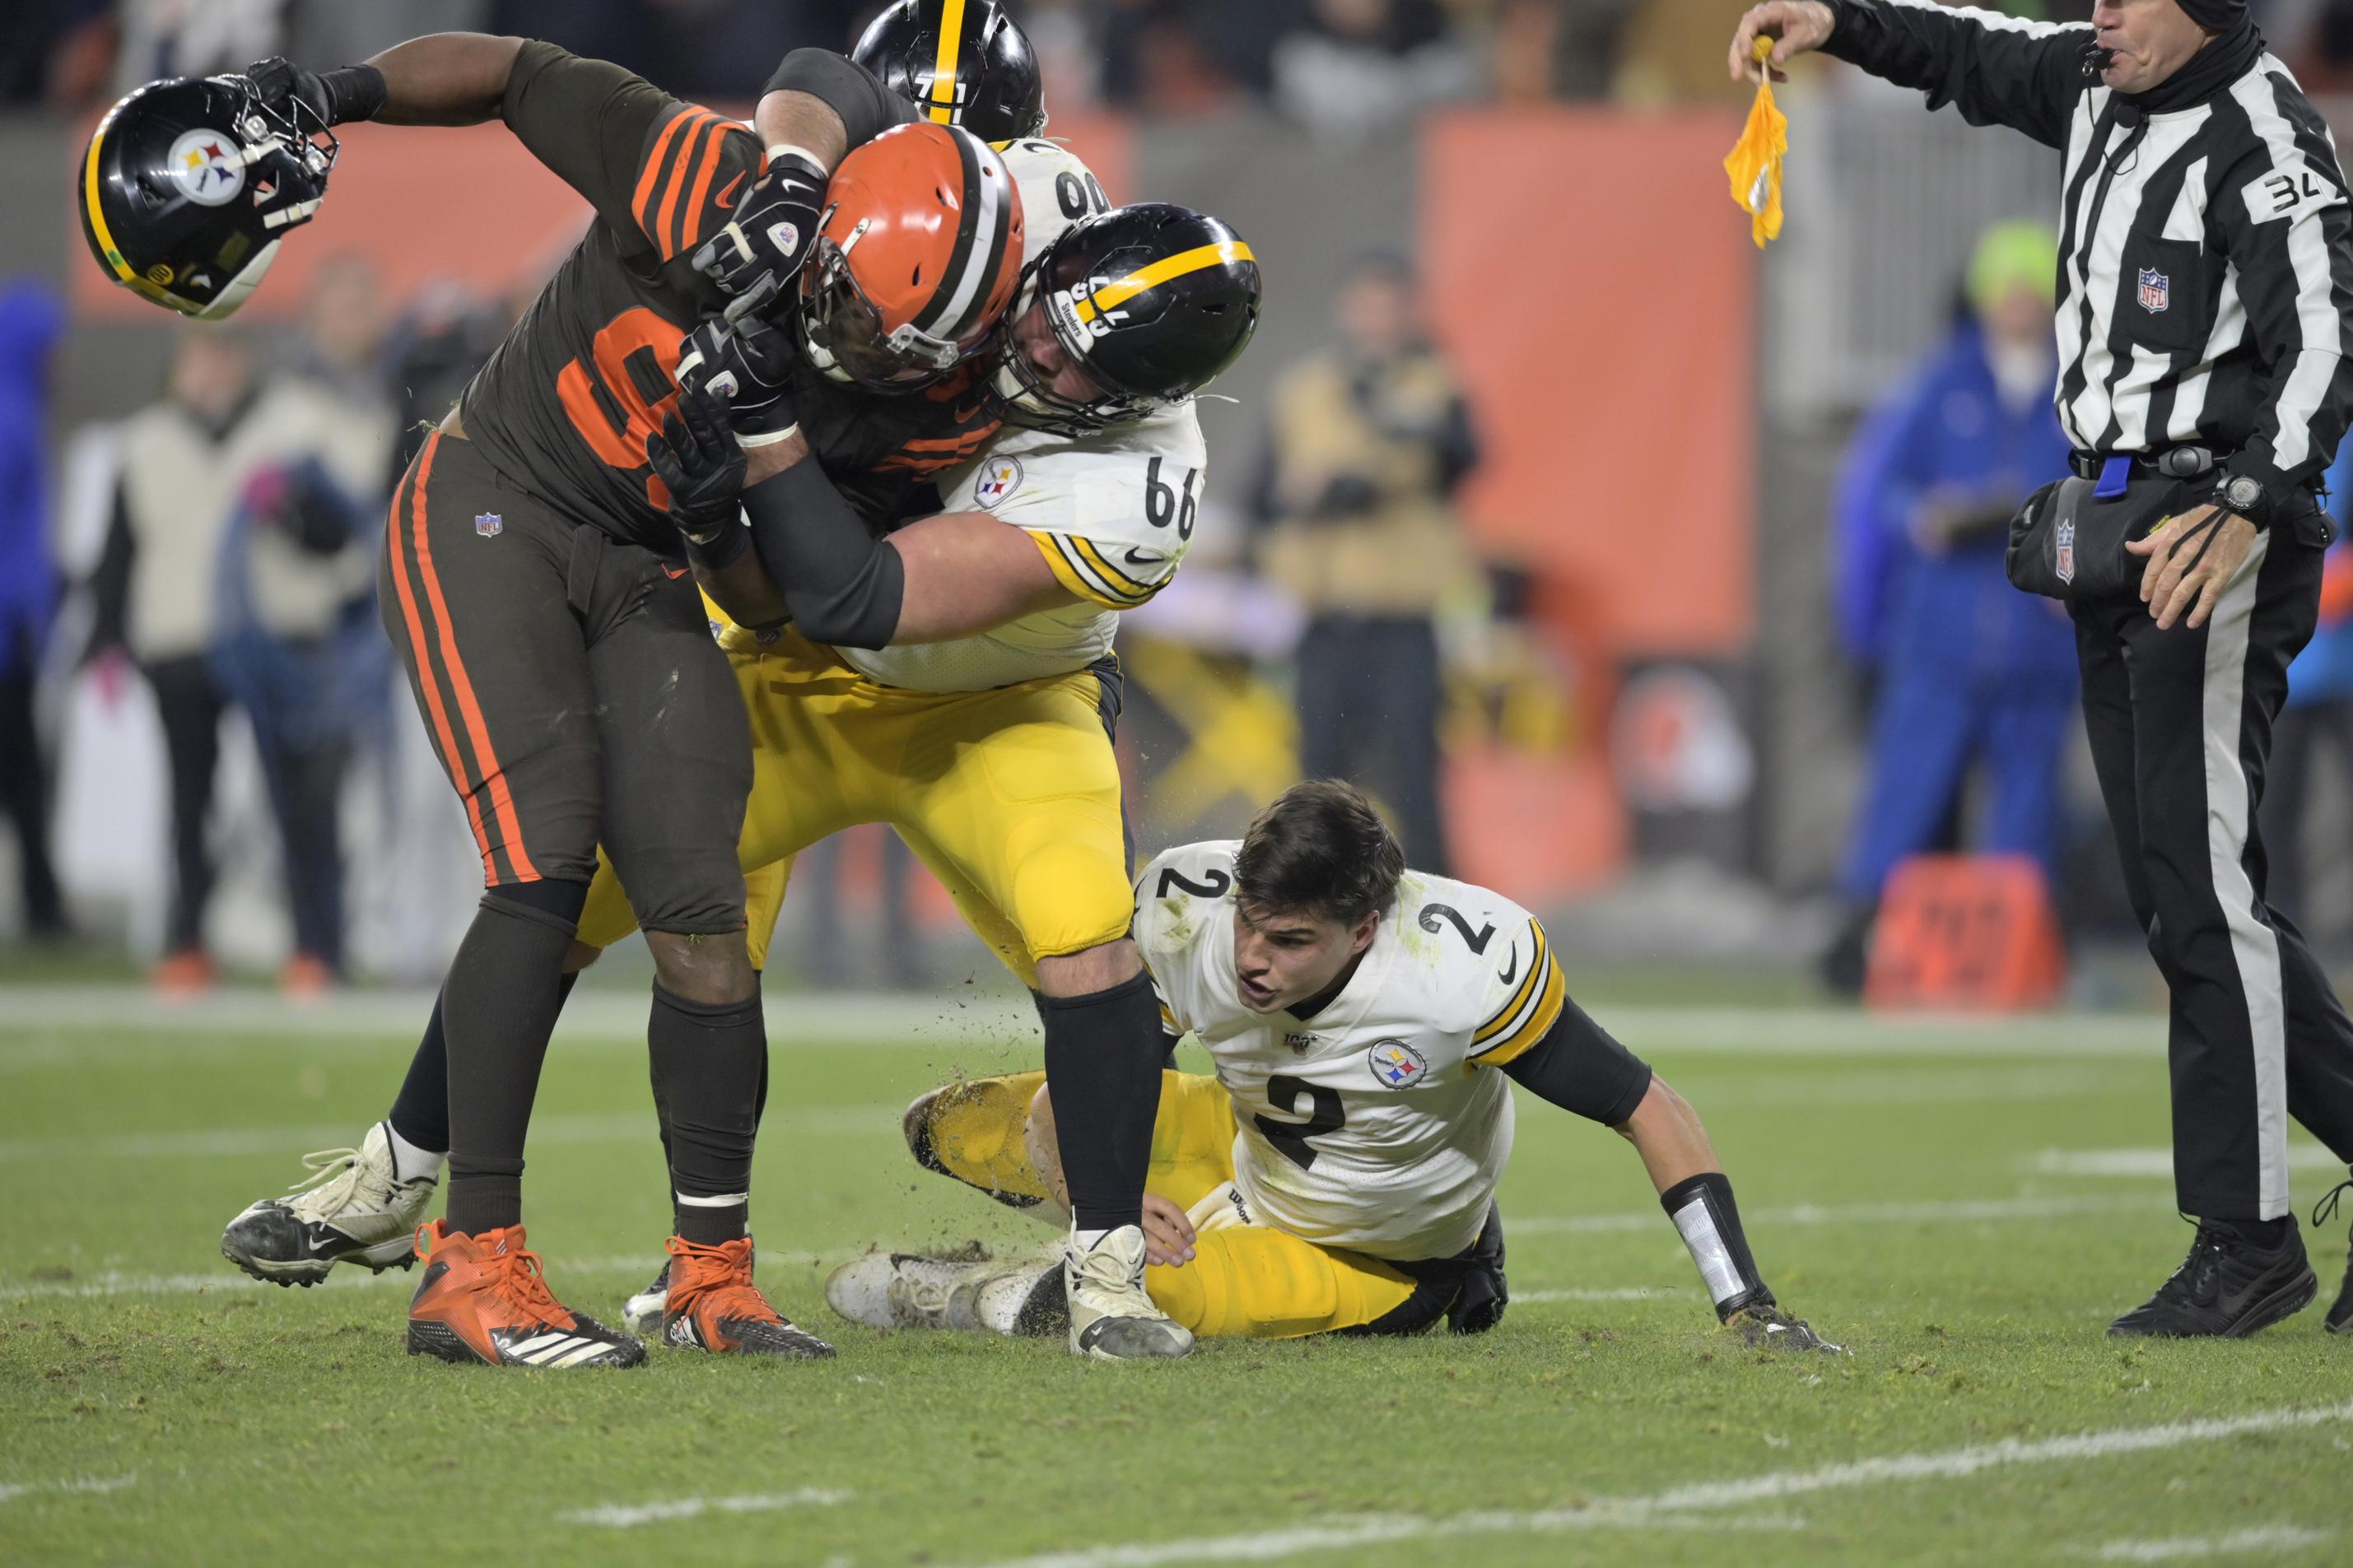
2205	292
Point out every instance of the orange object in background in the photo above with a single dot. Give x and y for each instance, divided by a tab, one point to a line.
1967	933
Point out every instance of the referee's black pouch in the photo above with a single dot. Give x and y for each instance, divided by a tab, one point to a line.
2068	541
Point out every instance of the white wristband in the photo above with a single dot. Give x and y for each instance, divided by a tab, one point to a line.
783	149
767	438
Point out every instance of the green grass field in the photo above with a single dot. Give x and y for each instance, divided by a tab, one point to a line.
1963	1205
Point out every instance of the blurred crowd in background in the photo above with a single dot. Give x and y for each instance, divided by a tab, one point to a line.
206	761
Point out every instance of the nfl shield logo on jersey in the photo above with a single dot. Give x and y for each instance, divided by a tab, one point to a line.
1396	1065
487	524
999	477
2154	289
2063	536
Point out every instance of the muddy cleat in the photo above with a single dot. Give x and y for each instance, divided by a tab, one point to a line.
711	1304
2341	1316
2224	1290
909	1290
1766	1327
643	1314
352	1208
484	1298
1111	1318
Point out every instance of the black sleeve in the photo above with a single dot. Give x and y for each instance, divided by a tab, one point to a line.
844	587
1996	70
588	121
867	108
109	583
1458	445
1579	1066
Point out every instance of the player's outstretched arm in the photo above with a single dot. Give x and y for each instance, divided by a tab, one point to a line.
442	79
1668	1135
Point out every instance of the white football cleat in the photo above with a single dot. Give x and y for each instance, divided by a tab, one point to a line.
353	1208
1111	1318
646	1310
909	1290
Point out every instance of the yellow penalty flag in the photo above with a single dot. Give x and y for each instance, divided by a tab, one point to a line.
1755	160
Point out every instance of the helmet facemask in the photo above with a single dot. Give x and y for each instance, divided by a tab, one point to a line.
847	339
1022	394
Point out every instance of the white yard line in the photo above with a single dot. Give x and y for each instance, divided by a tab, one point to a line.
615	1515
1628	1293
10	1492
931	1021
2277	1538
1962	1211
2157	1163
1676	1504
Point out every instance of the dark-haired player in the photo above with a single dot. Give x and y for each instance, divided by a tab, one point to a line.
1338	1171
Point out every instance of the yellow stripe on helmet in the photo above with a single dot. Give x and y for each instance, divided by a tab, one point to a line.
1120	290
123	272
942	107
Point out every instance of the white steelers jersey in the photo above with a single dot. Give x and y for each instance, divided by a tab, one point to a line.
1374	1125
1113	512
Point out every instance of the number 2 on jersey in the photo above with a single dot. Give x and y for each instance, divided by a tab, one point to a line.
1323	1115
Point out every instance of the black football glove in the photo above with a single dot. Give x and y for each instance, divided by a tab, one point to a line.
1766	1327
775	227
700	463
355	93
747	366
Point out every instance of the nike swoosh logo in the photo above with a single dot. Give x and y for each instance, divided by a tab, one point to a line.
963	414
1145	557
1512	970
727	191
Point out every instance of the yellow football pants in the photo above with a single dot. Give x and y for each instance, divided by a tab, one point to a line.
1011	797
1248	1282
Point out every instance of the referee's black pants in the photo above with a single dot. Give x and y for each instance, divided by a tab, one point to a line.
2180	725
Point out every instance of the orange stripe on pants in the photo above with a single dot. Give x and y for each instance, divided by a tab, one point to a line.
446	739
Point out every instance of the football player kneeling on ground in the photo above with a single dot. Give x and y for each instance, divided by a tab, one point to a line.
1338	1171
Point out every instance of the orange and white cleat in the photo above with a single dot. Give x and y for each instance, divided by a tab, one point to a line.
484	1299
713	1305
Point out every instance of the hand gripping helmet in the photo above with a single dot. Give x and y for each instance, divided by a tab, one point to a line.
189	185
1152	301
917	259
962	62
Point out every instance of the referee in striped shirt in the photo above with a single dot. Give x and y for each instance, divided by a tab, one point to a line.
2205	287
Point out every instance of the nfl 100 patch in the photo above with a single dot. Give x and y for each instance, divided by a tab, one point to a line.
488	524
1396	1065
2156	290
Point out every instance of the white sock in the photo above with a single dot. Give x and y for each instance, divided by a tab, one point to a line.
1088	1240
409	1162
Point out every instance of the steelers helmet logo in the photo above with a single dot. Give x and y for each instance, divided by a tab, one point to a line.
208	167
1396	1065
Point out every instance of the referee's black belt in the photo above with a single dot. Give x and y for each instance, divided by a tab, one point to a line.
2173	463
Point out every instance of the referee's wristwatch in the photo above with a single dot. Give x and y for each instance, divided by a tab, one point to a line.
2245	496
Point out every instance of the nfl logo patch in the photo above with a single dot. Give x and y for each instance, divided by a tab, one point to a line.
999	477
2064	538
2154	289
1396	1065
487	524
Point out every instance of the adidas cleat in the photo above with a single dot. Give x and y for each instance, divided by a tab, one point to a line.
643	1314
2224	1290
711	1305
1111	1318
352	1208
484	1298
909	1290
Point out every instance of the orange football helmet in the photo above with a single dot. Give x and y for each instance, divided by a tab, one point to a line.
915	260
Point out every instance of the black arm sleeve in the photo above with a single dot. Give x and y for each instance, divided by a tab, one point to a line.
843	585
1996	70
867	108
109	583
1579	1066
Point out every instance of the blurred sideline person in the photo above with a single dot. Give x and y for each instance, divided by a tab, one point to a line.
31	322
1971	672
1337	1172
2317	717
1369	444
2206	291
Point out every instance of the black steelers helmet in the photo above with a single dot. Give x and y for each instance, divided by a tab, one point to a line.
962	62
189	185
1152	300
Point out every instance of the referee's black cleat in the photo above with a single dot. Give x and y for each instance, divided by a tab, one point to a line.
2341	1316
2226	1289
